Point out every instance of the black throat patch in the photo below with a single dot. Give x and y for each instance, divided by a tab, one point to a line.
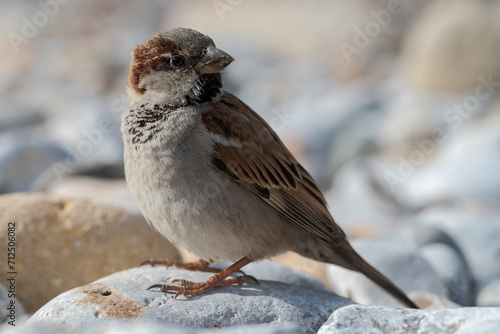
210	87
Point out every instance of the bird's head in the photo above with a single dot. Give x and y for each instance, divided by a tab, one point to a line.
176	67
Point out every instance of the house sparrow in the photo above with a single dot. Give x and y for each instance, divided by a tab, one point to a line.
211	175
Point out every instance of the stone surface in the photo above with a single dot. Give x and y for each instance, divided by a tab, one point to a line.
404	267
476	231
415	235
450	175
489	295
356	205
123	295
452	270
447	53
142	327
62	243
359	319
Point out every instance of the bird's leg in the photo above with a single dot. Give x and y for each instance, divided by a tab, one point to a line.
188	288
200	265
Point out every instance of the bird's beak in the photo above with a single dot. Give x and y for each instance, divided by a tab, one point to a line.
214	61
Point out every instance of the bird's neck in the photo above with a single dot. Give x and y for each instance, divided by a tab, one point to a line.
207	89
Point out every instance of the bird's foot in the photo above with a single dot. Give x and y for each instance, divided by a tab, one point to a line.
188	288
221	279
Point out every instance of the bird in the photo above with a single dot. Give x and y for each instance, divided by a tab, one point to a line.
209	174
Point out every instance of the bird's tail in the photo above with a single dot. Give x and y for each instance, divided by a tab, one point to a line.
357	263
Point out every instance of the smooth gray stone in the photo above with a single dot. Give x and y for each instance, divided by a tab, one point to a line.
123	295
452	270
143	327
360	319
476	231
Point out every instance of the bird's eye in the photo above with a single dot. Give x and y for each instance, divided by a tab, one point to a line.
176	61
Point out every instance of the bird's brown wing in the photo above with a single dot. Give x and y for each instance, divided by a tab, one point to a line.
251	153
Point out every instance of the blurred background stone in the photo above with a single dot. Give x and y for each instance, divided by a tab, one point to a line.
106	191
62	243
476	230
451	44
452	270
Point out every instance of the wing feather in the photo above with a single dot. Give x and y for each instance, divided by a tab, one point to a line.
252	154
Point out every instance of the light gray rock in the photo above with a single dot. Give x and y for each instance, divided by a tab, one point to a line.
416	235
123	295
452	270
405	267
442	173
400	130
143	327
359	319
356	205
489	295
476	230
